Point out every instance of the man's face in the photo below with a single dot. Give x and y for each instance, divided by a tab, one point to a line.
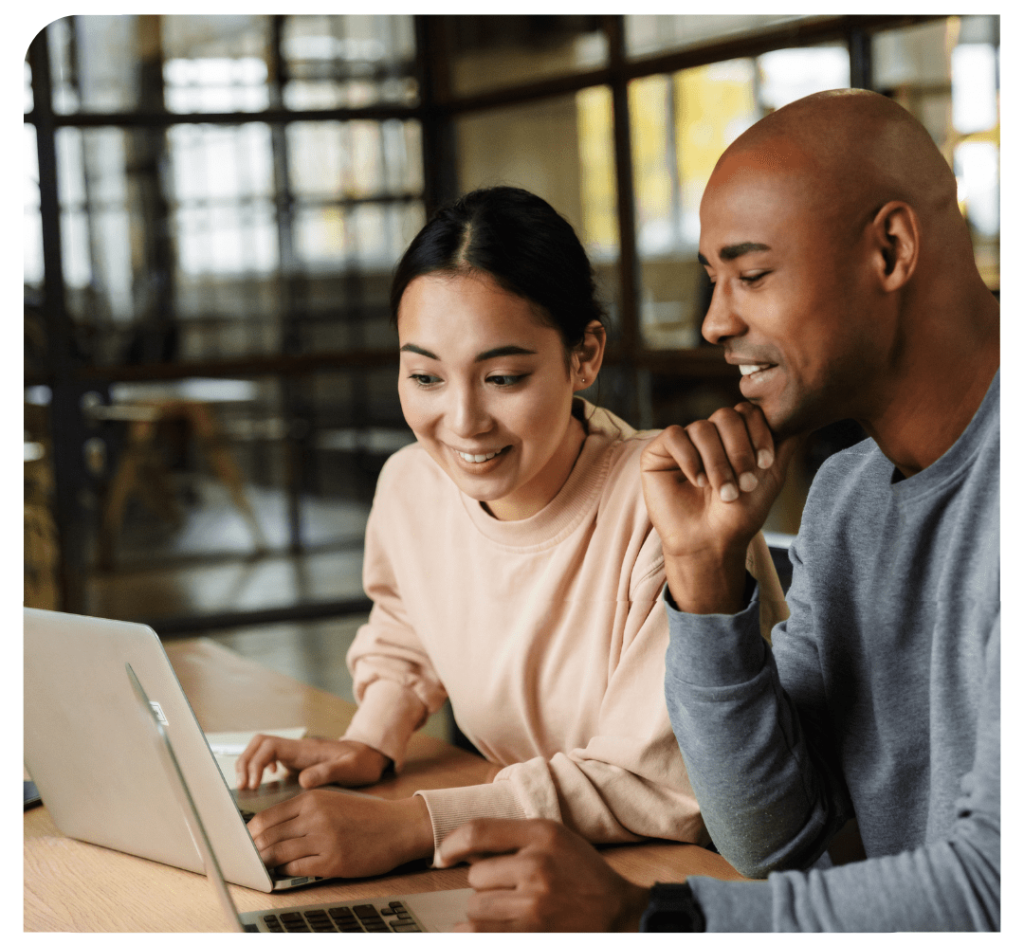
789	293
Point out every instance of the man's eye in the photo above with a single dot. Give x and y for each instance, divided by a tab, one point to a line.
752	277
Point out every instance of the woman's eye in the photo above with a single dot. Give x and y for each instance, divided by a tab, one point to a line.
505	380
423	380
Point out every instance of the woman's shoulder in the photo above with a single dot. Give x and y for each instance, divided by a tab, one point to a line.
624	446
409	472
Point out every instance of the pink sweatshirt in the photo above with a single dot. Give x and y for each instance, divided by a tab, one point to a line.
547	634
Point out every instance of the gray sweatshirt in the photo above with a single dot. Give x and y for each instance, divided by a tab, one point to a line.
878	699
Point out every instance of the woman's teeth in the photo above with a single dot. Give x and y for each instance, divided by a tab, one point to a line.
478	457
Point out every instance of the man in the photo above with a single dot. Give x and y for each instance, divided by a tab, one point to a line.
845	287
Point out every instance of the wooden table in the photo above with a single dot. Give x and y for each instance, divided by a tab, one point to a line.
76	886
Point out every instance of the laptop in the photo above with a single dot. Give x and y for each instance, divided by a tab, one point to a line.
417	912
92	763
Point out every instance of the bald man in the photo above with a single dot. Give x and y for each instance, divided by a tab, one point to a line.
845	287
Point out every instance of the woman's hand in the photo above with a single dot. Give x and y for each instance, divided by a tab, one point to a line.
327	833
319	761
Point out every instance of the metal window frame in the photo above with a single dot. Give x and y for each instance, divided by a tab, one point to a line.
437	109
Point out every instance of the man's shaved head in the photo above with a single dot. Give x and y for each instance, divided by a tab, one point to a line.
851	151
839	254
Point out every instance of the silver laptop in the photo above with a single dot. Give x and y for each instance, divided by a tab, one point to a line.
417	912
91	758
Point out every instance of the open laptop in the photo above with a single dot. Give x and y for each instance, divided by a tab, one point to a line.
417	912
91	759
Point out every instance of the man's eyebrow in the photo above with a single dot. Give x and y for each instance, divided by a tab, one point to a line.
501	352
741	249
735	251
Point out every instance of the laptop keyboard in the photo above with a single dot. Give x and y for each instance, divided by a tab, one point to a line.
394	917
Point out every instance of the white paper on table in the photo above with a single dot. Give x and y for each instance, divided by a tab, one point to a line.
227	746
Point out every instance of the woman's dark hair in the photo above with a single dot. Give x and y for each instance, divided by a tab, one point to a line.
521	242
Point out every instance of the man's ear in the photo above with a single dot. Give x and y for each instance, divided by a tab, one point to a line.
588	355
896	244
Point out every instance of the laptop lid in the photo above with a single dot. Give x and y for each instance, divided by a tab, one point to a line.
90	755
184	800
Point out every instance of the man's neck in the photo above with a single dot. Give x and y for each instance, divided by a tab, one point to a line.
936	395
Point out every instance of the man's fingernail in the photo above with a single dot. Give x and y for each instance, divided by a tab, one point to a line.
702	481
748	482
764	459
729	492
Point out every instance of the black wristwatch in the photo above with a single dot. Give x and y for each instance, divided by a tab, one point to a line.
672	908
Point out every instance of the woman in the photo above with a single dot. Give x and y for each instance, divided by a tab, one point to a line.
512	566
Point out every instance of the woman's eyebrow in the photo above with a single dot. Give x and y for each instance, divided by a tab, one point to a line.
503	351
416	349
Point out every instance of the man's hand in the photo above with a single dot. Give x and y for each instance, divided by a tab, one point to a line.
319	760
327	833
709	488
538	876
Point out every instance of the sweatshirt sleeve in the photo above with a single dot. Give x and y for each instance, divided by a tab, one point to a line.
747	747
394	681
628	781
949	885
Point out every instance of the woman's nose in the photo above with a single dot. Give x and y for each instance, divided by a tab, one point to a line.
468	416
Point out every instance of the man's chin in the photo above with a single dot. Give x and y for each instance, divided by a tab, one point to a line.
783	423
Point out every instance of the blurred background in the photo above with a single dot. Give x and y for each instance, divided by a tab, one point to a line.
214	206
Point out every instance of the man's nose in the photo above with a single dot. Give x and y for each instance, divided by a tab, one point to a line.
722	320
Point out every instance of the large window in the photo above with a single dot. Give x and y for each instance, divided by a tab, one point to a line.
214	205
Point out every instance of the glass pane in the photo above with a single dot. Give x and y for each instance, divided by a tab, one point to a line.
647	34
560	149
189	63
96	62
488	52
351	61
681	124
946	74
216	84
29	100
213	162
33	242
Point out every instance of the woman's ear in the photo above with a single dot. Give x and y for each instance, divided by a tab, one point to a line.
895	235
588	355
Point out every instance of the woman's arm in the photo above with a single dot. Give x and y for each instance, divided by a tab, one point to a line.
394	681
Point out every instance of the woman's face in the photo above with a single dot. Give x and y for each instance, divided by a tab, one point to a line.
485	387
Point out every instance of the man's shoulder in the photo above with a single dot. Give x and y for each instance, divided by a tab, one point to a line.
849	465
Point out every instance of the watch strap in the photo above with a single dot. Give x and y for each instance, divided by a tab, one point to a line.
672	908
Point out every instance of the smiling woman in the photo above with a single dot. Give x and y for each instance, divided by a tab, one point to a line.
492	406
512	565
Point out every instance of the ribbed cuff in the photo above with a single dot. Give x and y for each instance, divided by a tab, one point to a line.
387	715
452	807
714	649
733	906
